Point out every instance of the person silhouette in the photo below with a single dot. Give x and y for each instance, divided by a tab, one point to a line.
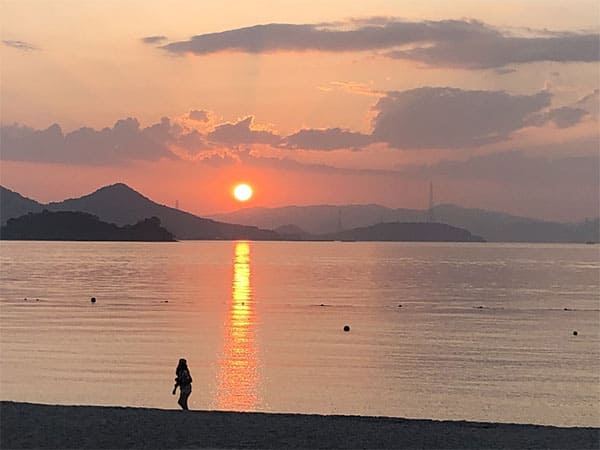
183	380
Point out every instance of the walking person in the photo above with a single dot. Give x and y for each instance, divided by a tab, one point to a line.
183	380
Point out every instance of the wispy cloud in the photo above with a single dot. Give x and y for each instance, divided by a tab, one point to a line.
327	139
20	45
154	39
516	167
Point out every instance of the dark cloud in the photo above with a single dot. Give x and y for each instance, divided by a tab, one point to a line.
20	45
154	39
240	133
486	52
324	37
198	115
562	117
192	142
466	44
123	142
432	117
326	139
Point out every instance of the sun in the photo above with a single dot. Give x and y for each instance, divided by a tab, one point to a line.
242	192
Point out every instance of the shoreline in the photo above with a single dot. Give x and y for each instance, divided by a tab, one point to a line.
29	425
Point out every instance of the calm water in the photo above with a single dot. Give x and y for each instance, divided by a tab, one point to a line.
482	333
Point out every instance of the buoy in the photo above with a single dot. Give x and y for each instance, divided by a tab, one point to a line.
93	300
346	328
399	306
575	333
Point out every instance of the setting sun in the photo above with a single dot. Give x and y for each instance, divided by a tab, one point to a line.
242	192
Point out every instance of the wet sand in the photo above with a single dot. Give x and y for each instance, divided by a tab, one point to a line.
26	425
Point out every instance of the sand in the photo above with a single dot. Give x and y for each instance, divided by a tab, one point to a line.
26	425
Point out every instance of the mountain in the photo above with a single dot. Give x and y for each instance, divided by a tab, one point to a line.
120	204
408	231
78	226
320	219
292	232
13	204
490	225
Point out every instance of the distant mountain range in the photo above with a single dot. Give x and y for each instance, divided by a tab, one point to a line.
121	205
490	225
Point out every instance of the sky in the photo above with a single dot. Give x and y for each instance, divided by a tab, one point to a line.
310	102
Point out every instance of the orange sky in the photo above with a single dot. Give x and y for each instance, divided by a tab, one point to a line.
356	121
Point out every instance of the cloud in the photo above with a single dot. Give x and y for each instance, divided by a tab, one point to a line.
352	87
154	39
492	51
516	167
562	117
20	45
240	133
467	44
326	139
125	141
443	117
505	70
192	142
590	102
324	37
199	115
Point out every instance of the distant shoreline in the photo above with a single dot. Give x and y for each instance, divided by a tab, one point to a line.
27	425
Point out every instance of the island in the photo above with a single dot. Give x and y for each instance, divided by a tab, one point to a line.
80	226
407	232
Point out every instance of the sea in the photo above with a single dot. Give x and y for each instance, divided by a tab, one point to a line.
448	331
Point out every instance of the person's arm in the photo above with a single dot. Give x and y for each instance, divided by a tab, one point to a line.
176	384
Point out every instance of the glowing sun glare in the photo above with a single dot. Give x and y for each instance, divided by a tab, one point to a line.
242	192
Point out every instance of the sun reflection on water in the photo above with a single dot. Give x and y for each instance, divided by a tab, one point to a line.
237	381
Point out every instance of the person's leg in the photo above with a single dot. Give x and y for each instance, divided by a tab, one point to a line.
183	397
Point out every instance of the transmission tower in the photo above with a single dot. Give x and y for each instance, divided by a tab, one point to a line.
430	215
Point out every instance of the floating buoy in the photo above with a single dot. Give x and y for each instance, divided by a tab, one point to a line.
346	327
575	333
93	299
399	306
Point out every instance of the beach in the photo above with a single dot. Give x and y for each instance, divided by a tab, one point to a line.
27	425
